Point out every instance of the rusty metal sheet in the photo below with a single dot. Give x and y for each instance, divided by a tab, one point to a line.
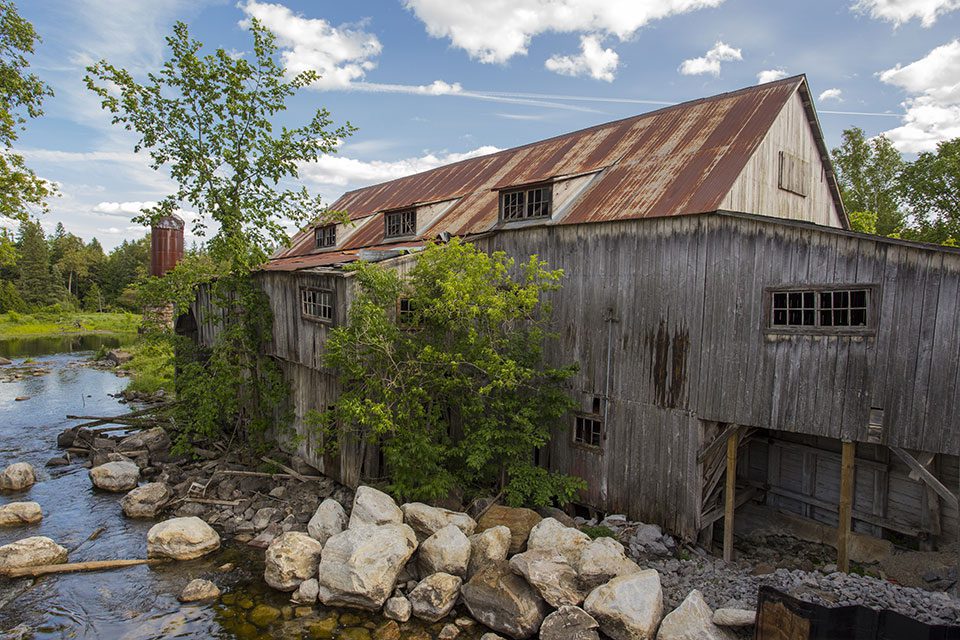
674	161
295	263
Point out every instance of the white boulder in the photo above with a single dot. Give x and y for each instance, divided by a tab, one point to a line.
146	501
426	520
446	551
17	513
504	602
199	590
18	476
397	608
373	507
628	607
359	566
488	547
519	520
569	623
307	592
726	617
434	597
549	534
181	539
548	573
291	558
329	520
602	560
31	552
115	476
692	620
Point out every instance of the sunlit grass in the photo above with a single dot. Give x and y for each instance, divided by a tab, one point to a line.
18	325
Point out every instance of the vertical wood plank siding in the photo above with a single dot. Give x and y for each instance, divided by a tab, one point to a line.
681	301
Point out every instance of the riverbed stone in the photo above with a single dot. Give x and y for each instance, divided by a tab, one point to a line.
569	623
504	602
426	520
153	441
629	607
328	520
389	630
18	476
373	507
692	620
199	590
181	539
550	535
602	560
263	615
17	513
488	547
307	592
115	476
549	573
146	501
31	552
397	608
434	597
728	617
519	520
448	632
290	559
359	566
446	551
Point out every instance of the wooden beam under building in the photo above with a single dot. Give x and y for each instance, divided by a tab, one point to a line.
729	496
924	474
848	452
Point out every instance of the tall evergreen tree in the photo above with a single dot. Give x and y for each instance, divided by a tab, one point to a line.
36	283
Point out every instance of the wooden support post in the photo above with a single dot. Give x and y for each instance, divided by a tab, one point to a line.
846	505
729	496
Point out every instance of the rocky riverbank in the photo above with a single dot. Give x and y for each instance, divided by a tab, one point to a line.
423	572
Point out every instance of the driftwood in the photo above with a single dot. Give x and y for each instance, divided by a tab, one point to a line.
226	503
264	474
298	476
73	567
101	420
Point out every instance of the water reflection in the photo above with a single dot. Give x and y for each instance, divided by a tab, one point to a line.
44	345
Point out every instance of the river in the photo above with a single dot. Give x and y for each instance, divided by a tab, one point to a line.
134	603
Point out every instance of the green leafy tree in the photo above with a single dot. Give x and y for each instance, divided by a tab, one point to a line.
128	262
209	121
10	299
868	172
93	298
930	186
37	283
465	358
21	96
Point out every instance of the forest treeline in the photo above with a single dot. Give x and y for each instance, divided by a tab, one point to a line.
61	272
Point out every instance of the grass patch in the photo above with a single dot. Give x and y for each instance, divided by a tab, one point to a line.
152	366
598	532
44	323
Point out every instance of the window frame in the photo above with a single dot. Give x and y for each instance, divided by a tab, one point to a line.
793	174
332	305
594	418
322	230
872	308
406	318
525	191
387	215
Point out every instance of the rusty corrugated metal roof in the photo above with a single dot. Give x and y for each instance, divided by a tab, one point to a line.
678	160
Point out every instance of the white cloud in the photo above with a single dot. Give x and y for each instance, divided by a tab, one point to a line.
340	55
901	11
770	75
496	30
710	62
594	60
341	171
831	94
933	111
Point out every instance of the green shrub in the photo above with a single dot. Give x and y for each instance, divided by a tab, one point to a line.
598	531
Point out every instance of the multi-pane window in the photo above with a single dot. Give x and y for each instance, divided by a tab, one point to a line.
588	430
317	304
326	236
400	223
405	312
526	204
820	309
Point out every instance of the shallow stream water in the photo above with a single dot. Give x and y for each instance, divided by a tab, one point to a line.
137	602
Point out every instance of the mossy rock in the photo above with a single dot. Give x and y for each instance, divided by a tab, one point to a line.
355	633
350	619
263	615
323	629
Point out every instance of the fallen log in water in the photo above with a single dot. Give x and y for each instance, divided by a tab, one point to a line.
73	567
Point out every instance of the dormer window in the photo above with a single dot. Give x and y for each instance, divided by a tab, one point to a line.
326	236
526	204
397	224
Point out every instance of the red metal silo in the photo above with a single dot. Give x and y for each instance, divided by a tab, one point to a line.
166	244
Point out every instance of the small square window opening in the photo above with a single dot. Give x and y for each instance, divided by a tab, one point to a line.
526	204
400	223
317	304
326	236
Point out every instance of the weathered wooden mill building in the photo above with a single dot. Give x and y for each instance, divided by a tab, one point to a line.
720	310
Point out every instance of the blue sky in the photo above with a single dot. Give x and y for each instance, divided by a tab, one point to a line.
431	81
